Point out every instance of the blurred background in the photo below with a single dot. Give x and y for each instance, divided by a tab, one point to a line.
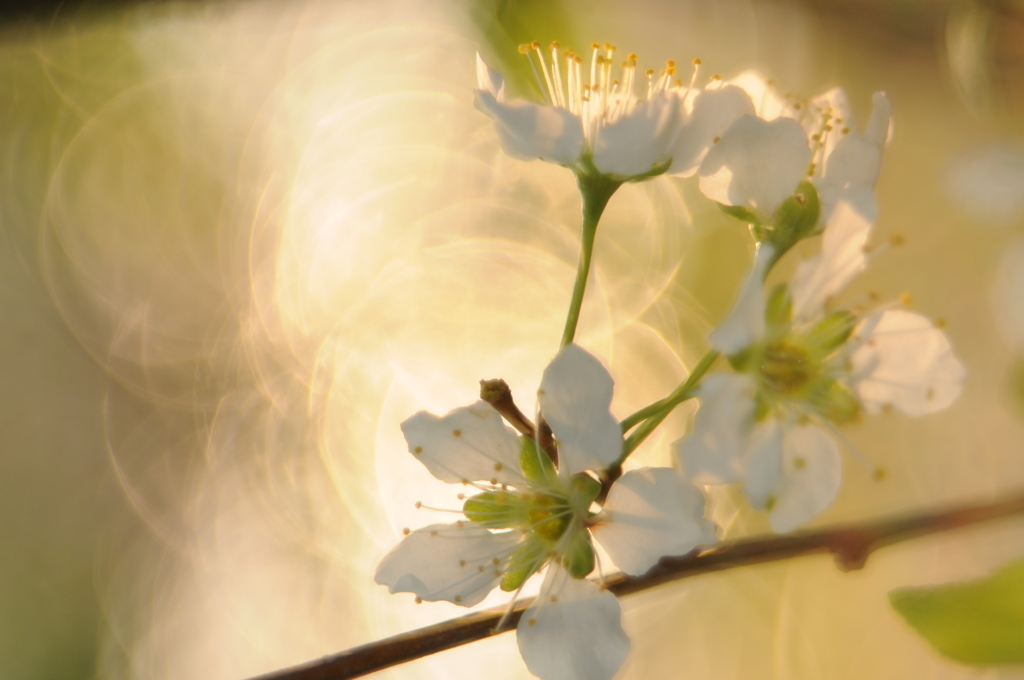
240	242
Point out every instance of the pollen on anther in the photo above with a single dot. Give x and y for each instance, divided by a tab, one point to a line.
495	561
462	563
494	482
461	496
649	72
498	467
716	77
535	45
879	474
465	481
531	621
524	48
456	433
457	599
906	300
632	57
481	569
406	531
554	598
896	239
433	533
930	394
799	463
697	61
555	45
846	130
671	63
939	323
541	393
609	47
716	140
419	505
418	450
595	46
418	600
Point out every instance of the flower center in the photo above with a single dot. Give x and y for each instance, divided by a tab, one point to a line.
786	368
602	99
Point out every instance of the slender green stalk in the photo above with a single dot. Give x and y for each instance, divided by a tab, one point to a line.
652	416
595	191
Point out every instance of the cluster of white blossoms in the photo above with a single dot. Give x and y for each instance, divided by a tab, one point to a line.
528	514
790	169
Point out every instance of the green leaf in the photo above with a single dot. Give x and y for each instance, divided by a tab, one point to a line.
976	622
578	555
739	212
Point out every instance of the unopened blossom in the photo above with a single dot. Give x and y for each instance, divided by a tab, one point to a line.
801	370
599	119
793	148
528	514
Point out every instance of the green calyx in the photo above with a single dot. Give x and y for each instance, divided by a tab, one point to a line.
800	365
796	219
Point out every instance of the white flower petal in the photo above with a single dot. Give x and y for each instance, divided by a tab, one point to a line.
757	164
880	127
447	562
853	163
906	362
810	475
793	471
653	512
488	79
745	323
573	631
714	110
712	452
469	444
762	463
842	257
767	103
639	140
575	396
528	131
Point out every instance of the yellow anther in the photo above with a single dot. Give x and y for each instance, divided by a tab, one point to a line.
531	621
595	46
716	140
465	481
677	83
671	63
462	563
896	240
670	71
418	600
418	450
555	46
811	168
535	44
879	474
649	72
577	60
609	47
716	77
456	433
906	300
939	323
524	48
846	130
481	569
632	57
697	61
498	467
405	531
495	561
494	482
457	599
799	463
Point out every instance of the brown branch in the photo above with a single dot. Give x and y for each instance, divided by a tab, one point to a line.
850	544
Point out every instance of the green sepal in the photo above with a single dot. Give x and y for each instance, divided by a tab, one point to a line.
583	490
797	217
976	622
831	332
523	564
762	407
836	403
740	212
741	361
494	509
778	309
536	464
578	555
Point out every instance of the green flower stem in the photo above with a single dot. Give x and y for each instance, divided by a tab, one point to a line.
652	416
595	190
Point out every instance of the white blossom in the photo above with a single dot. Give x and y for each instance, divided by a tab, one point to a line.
529	514
626	127
802	370
761	160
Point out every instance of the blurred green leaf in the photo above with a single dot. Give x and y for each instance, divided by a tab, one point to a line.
977	622
504	25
